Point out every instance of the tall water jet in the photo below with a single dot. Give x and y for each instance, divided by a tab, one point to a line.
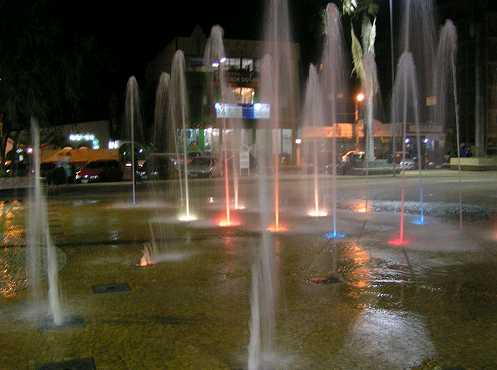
163	142
133	127
215	61
263	297
419	37
405	109
313	119
39	240
278	87
446	91
335	89
179	115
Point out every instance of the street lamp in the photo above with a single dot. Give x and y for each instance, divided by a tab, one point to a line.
360	97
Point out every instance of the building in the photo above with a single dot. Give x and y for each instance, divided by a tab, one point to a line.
243	61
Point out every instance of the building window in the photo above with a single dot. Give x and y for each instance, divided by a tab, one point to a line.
244	95
248	65
233	64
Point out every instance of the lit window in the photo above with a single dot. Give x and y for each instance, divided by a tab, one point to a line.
248	64
233	63
244	95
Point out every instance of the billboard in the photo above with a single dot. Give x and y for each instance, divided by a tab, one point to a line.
243	111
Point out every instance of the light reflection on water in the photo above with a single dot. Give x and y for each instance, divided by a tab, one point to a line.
395	338
12	272
358	258
11	229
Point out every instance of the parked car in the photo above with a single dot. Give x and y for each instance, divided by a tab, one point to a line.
99	171
350	160
203	167
408	164
353	156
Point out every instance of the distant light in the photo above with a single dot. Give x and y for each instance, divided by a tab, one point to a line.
128	165
80	137
140	151
223	60
21	158
29	150
114	144
426	141
407	141
360	97
215	65
298	141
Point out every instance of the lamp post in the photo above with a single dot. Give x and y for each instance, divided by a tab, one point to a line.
358	100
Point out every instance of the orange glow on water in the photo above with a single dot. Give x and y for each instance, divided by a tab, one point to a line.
147	258
276	194
222	221
361	207
277	228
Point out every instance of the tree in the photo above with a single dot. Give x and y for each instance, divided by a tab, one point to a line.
363	58
47	69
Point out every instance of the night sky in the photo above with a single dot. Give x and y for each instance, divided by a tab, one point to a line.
75	56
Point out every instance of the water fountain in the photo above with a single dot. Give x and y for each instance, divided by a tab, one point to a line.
446	82
179	115
335	88
418	36
214	60
405	109
162	137
278	88
263	293
39	240
313	118
133	126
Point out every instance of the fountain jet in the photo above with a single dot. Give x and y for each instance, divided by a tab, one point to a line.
446	92
39	239
405	109
313	118
133	127
179	115
214	61
335	88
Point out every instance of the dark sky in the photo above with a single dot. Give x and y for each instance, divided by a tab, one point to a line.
137	31
128	35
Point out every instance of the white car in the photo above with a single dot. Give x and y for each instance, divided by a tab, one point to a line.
407	164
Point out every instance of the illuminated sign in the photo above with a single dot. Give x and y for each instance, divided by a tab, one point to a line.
85	137
243	111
